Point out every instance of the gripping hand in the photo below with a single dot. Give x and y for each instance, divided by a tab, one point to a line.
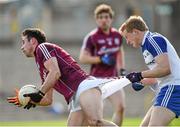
134	76
35	97
14	100
29	105
108	59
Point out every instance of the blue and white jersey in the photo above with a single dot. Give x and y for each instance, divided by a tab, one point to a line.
155	44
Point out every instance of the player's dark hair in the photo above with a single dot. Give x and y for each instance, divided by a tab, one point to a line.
36	33
103	8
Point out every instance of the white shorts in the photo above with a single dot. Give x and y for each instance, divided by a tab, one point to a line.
87	84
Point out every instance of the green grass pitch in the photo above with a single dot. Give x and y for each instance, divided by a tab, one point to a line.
126	122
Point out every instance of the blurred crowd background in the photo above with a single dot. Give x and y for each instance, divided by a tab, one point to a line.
66	22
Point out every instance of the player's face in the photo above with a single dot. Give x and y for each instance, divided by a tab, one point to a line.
131	38
104	21
27	47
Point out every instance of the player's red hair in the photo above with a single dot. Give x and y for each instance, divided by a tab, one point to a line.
134	22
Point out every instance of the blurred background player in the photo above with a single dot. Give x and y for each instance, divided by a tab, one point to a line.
163	63
102	48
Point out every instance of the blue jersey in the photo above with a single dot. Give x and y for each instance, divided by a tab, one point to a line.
155	44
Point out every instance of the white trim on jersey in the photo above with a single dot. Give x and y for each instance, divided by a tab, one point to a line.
45	52
86	38
167	96
155	45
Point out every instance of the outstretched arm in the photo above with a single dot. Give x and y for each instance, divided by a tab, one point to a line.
162	68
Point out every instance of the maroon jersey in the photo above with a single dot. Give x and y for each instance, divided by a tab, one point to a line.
98	44
71	73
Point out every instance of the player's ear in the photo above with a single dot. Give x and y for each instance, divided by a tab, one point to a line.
33	40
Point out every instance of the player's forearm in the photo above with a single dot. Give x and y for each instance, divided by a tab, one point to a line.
47	99
50	81
90	59
45	102
120	60
149	81
123	60
157	72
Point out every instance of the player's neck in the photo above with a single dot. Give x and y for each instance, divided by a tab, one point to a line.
106	31
141	37
34	49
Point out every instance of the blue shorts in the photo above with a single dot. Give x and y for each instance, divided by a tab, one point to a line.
169	97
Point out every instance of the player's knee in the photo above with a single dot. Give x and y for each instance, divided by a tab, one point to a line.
95	122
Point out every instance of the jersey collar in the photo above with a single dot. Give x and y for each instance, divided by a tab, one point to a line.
144	38
101	32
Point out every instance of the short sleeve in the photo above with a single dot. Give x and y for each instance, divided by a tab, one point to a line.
45	52
157	46
88	44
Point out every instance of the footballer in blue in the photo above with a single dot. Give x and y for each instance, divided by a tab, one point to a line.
164	65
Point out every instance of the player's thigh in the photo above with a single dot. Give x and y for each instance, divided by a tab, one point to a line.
91	103
161	116
76	118
118	100
146	119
